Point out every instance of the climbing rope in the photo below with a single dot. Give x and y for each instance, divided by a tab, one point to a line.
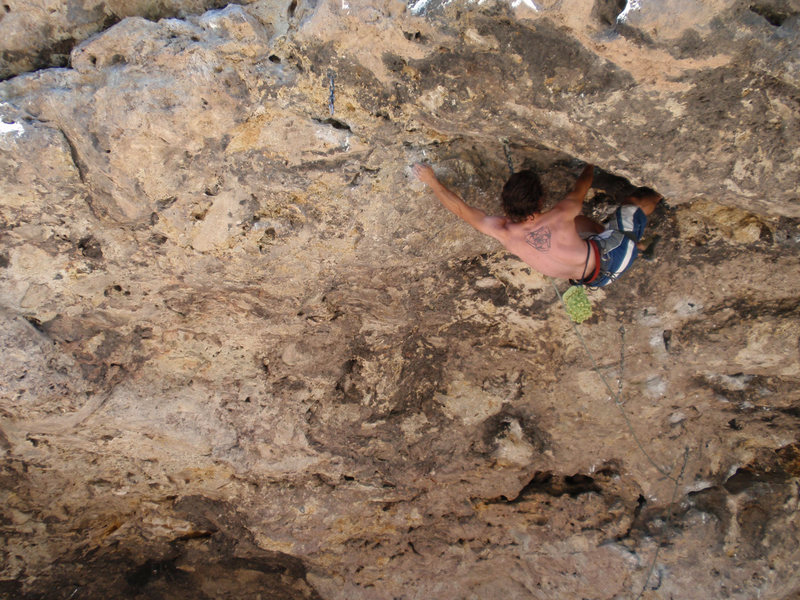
666	524
612	393
617	397
332	88
621	360
507	152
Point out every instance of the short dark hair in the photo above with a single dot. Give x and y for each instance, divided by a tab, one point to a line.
522	196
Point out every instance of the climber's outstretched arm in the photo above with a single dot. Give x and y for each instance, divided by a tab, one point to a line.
493	226
572	203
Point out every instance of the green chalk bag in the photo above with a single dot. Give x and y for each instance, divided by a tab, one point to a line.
578	306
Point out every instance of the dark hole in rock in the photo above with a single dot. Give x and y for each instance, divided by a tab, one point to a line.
580	484
144	333
608	470
109	22
774	16
266	240
544	482
4	260
792	411
112	289
747	477
150	570
607	11
90	247
56	55
93	59
393	62
274	58
335	123
37	324
292	8
497	295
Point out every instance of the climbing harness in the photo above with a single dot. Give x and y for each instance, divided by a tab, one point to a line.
586	262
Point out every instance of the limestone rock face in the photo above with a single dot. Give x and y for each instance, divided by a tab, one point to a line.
42	33
246	354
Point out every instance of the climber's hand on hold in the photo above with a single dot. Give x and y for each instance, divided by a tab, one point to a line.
424	173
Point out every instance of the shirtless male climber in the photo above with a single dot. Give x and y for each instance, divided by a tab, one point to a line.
560	242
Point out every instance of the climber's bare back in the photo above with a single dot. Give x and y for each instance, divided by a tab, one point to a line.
548	242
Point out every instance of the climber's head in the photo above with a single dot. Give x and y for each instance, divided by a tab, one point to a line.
522	196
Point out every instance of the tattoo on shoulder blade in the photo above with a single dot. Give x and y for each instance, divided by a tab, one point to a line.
539	238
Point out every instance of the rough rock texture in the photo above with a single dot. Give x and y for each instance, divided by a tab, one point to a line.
246	355
42	33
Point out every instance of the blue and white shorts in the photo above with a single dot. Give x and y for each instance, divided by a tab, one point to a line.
617	244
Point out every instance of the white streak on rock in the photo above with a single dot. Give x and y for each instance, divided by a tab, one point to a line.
12	127
529	3
630	6
418	6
